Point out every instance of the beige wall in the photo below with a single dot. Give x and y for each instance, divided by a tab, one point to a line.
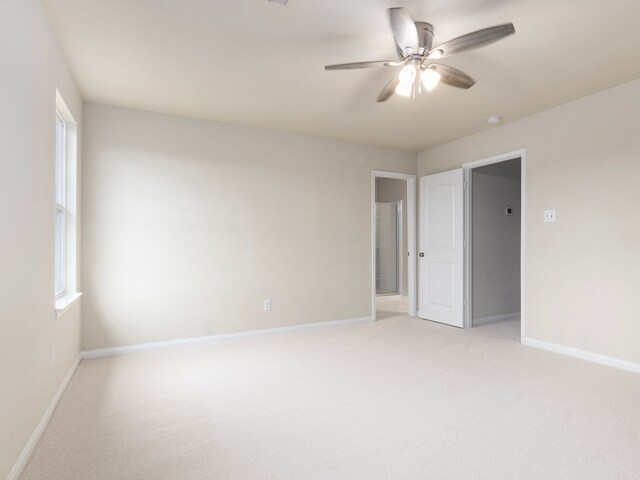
394	190
190	225
32	68
495	241
583	159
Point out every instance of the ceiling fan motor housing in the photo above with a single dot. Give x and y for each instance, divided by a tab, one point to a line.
425	37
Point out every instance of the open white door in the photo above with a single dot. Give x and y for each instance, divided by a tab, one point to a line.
441	258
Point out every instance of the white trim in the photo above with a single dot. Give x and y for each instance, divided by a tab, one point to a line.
15	472
411	240
584	355
502	157
61	190
523	237
143	347
400	239
398	175
520	153
476	322
468	253
65	302
412	249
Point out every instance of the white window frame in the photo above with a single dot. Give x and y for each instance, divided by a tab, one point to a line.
61	203
66	201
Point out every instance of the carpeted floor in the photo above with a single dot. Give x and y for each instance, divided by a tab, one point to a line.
397	399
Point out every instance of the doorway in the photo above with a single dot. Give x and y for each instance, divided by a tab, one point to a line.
393	244
494	237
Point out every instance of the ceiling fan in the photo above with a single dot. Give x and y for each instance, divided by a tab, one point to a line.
415	54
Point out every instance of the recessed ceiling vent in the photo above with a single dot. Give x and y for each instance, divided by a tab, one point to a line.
281	2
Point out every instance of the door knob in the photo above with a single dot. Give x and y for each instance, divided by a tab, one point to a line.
421	254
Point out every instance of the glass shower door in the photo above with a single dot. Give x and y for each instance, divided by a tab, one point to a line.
387	248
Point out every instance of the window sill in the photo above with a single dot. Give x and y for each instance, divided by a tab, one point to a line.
65	302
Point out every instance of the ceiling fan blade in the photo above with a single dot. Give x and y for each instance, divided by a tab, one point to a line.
473	40
389	89
452	76
405	33
351	66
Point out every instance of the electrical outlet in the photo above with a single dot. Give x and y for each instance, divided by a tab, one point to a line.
53	357
549	216
267	305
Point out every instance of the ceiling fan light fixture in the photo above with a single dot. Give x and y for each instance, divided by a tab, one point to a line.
404	90
407	75
430	78
435	54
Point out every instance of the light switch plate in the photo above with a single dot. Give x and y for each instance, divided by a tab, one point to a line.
549	216
267	305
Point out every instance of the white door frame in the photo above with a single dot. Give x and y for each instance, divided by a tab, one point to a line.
411	234
468	232
400	211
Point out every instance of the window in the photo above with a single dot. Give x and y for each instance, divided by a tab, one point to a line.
66	208
61	205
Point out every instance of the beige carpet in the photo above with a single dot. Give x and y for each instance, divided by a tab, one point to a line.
397	399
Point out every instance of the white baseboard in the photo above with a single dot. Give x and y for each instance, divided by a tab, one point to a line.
143	347
584	355
477	322
37	433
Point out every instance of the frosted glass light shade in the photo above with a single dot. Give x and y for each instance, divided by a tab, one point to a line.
407	75
430	78
404	89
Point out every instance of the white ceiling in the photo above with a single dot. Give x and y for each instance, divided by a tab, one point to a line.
254	63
